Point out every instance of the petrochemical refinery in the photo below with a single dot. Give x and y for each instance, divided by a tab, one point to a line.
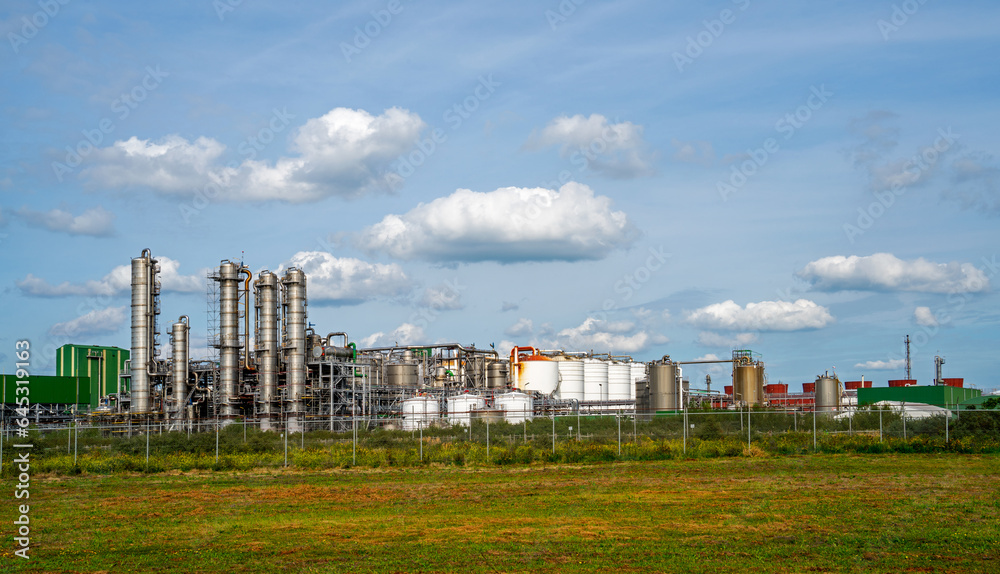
275	370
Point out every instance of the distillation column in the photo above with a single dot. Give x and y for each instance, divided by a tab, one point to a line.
293	304
179	332
145	290
266	344
229	337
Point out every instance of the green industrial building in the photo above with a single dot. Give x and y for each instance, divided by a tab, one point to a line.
937	395
84	374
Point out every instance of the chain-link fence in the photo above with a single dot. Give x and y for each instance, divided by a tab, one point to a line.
131	445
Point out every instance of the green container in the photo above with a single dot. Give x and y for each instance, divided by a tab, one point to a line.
49	390
937	395
98	366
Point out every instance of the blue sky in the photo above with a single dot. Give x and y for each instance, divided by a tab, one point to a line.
635	177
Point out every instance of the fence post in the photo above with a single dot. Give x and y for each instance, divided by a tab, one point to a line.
216	441
354	452
904	425
814	427
422	441
553	432
147	447
880	425
487	439
76	440
748	427
619	417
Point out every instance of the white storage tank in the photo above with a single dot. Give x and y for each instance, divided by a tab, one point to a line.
638	371
571	379
420	412
461	408
517	407
537	374
595	380
619	381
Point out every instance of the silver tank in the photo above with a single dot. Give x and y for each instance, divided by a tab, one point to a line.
229	337
748	383
664	394
181	351
293	303
144	288
402	374
828	391
266	343
496	375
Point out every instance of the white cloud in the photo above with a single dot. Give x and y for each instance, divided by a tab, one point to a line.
523	328
700	152
708	357
617	150
447	296
507	225
345	153
405	334
890	365
347	280
602	336
96	222
108	320
713	339
925	317
119	280
886	272
763	316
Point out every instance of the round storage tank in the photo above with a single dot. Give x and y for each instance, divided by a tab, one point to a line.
638	371
571	380
663	392
420	412
496	375
619	381
537	374
517	407
828	391
462	408
401	375
748	386
595	380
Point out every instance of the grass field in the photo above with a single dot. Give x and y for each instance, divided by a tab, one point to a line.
816	513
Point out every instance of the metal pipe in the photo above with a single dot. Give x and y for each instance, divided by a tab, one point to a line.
294	303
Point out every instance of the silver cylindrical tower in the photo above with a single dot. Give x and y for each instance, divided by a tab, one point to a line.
180	349
266	344
293	305
143	328
664	390
229	337
828	391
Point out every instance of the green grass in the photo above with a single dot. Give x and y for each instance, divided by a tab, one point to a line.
816	513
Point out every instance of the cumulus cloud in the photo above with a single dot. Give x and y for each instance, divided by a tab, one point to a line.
344	153
523	328
886	272
925	317
446	296
405	334
616	150
975	183
602	336
347	281
890	365
95	222
506	225
763	316
118	281
108	320
699	152
873	155
713	339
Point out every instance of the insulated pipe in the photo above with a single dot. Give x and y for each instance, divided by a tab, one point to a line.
229	344
266	342
246	319
142	327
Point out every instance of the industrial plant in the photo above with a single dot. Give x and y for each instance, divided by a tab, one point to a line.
272	369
